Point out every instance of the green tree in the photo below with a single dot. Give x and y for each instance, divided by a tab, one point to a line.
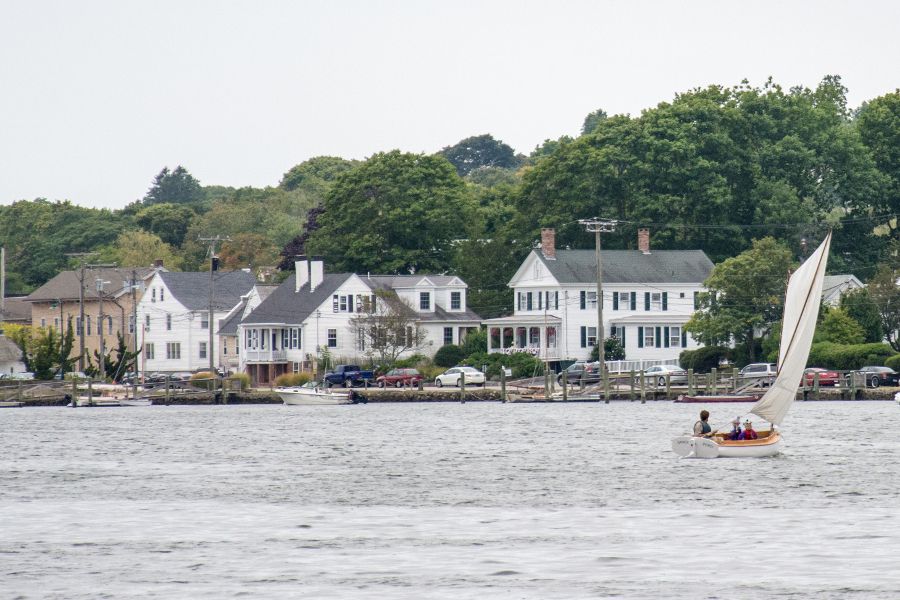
316	174
879	127
248	250
388	329
168	221
592	120
840	328
140	249
395	213
885	293
174	187
745	295
860	307
480	151
612	350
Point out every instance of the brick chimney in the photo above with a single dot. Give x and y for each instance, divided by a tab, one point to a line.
158	263
644	240
548	243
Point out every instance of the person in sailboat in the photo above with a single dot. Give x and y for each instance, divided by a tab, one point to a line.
749	433
735	433
702	427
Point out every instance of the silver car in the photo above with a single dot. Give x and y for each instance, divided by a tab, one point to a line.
657	375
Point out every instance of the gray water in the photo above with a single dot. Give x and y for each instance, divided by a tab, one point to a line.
443	501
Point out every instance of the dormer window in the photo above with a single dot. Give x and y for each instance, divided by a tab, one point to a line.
455	300
424	300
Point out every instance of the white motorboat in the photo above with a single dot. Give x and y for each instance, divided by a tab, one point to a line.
311	393
801	310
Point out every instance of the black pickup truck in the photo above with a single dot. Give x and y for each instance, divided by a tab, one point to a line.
348	376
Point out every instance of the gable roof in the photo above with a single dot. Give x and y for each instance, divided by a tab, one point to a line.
9	350
229	325
192	288
629	266
284	305
392	282
64	285
16	310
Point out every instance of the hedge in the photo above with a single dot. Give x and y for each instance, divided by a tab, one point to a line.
847	357
521	363
704	359
893	362
292	379
449	355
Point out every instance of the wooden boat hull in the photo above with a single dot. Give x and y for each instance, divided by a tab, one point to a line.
715	399
768	444
312	397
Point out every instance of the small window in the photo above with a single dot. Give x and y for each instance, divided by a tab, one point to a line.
649	339
425	300
162	294
149	352
455	300
592	300
43	322
173	350
88	318
204	320
675	337
202	350
332	338
591	337
168	322
448	336
131	324
78	330
656	301
153	295
147	322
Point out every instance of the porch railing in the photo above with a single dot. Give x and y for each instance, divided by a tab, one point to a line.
265	355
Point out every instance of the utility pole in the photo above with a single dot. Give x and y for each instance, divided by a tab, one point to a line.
134	328
80	332
597	226
213	265
2	282
100	285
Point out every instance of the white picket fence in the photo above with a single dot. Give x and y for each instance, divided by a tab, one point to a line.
626	366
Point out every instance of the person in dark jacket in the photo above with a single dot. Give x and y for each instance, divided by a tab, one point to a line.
735	429
702	427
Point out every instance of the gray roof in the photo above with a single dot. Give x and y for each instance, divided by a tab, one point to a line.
392	282
284	305
64	285
192	289
16	310
229	326
440	314
9	351
630	266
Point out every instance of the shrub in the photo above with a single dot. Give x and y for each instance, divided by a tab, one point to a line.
292	379
449	355
840	328
413	361
521	363
429	372
239	381
476	341
705	358
847	357
893	362
203	380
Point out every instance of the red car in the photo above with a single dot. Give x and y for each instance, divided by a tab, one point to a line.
826	377
400	378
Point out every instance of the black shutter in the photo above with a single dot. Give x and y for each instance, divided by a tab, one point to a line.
666	337
622	335
350	303
583	300
528	300
665	300
683	338
584	336
556	300
646	300
633	300
658	335
615	300
640	337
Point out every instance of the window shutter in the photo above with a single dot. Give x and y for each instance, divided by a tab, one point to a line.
350	303
622	335
665	300
556	300
666	338
640	337
696	294
528	300
584	336
646	300
633	300
615	300
612	331
583	299
683	338
658	335
540	300
519	301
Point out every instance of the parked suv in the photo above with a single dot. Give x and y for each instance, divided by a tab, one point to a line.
590	370
755	371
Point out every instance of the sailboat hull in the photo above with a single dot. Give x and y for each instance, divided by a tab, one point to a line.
768	444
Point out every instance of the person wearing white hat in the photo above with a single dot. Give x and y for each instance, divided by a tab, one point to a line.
735	429
749	433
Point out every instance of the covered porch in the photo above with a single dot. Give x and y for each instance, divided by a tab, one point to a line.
533	334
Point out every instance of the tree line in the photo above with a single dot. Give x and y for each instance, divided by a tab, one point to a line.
715	168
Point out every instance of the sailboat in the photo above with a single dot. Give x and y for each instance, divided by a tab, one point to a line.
801	310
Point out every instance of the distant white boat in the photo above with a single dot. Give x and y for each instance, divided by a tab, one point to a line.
311	394
136	402
801	309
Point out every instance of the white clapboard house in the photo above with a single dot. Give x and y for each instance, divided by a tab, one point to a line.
648	296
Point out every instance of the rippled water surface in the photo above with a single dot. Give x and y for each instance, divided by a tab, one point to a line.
443	501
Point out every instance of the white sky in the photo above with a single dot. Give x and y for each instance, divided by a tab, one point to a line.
97	96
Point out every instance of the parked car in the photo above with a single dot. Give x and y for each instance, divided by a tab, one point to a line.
758	371
399	378
657	374
876	376
826	377
579	368
22	376
348	376
453	375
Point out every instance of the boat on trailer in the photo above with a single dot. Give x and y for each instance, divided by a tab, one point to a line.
801	310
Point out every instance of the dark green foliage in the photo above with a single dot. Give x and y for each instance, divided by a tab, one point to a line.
593	120
848	357
168	221
893	362
862	309
411	361
395	213
522	364
612	350
705	358
120	360
449	355
297	246
480	151
174	187
476	341
316	174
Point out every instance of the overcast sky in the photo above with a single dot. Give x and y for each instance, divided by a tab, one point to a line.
97	96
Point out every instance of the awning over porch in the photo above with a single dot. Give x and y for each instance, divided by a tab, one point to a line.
532	334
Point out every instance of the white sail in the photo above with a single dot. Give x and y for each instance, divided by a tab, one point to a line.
801	309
